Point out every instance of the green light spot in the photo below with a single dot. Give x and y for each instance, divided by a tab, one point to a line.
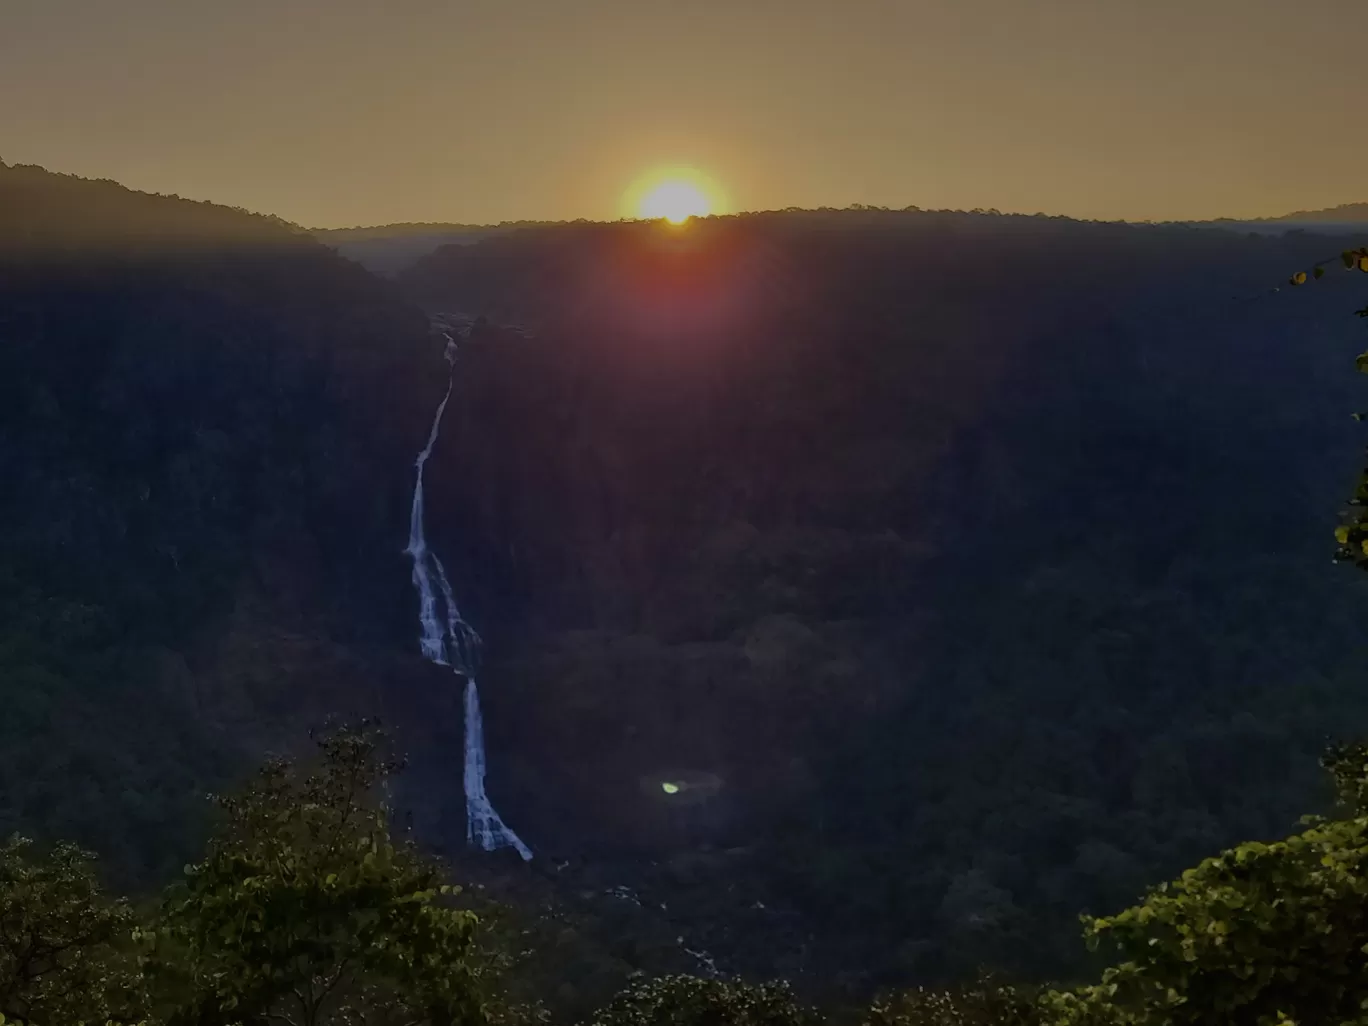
670	788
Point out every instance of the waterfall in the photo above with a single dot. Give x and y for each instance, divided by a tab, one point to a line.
432	641
448	640
484	828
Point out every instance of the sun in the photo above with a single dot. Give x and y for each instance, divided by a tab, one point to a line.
674	195
676	202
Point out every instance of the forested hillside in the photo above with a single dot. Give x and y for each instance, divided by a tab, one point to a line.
207	423
866	593
984	560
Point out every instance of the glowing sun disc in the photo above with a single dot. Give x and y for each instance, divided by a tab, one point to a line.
673	195
676	202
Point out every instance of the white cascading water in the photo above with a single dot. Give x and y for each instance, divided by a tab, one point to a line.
454	643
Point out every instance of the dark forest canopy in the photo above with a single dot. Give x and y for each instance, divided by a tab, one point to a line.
987	559
306	907
205	420
980	563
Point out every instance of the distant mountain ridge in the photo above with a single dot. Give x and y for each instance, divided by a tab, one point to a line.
1335	215
1345	218
388	249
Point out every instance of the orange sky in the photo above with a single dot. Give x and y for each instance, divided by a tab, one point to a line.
341	112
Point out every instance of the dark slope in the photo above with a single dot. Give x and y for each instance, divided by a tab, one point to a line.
984	559
207	422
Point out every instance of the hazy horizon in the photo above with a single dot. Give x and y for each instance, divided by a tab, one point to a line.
345	114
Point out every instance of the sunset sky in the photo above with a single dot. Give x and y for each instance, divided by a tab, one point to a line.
344	112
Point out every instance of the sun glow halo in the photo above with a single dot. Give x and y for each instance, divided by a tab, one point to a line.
674	196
